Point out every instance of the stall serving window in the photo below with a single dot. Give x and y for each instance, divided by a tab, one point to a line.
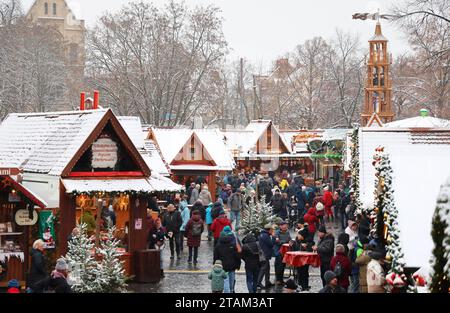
114	211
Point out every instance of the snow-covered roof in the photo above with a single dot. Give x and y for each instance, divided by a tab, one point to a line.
147	149
419	122
153	158
152	184
133	127
45	142
246	140
171	141
214	142
420	164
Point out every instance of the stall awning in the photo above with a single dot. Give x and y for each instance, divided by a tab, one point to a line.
142	185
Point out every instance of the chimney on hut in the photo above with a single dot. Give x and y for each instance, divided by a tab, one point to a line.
89	103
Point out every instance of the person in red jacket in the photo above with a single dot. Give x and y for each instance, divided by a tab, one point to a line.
311	218
341	266
193	231
218	225
327	199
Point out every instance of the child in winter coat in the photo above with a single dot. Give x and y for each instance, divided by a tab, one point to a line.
217	277
13	286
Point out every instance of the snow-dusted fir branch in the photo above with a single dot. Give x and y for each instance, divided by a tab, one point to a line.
385	204
440	259
354	167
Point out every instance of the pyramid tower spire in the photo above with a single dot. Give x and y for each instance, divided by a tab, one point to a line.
378	90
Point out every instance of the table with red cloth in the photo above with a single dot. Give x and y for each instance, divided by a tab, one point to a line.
284	248
301	258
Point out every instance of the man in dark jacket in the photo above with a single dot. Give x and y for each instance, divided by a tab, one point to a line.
37	279
266	242
172	222
277	203
226	251
325	249
236	203
250	254
331	284
216	209
303	242
282	236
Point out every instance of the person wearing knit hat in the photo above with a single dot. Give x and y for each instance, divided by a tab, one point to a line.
217	276
290	286
218	225
303	242
13	286
325	249
58	278
331	284
342	266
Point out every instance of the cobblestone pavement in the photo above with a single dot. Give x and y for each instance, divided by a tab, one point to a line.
181	277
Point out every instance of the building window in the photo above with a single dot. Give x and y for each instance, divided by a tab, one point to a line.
54	8
46	8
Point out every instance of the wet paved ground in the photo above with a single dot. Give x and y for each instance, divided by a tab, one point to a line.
181	277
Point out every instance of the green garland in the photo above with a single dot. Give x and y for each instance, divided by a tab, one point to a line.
326	156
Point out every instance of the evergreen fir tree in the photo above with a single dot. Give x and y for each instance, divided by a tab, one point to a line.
256	216
109	273
81	261
440	232
387	218
354	167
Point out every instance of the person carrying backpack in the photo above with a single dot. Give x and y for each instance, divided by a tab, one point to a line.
194	230
251	254
340	264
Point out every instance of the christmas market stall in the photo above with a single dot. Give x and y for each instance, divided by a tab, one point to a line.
86	167
327	153
198	156
404	163
18	213
261	146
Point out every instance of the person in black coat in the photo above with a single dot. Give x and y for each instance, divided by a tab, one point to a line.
325	249
172	223
266	241
251	255
364	227
277	203
226	251
58	278
303	242
38	269
331	285
344	239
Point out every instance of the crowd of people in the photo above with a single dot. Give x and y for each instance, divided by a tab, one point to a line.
316	213
310	217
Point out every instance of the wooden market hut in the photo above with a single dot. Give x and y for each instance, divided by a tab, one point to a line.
198	155
82	161
17	204
261	145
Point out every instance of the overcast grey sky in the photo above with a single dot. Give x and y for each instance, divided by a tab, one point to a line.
263	30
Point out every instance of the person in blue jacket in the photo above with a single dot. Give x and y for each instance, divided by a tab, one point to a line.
185	217
209	220
266	241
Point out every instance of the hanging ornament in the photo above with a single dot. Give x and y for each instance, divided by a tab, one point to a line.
398	281
388	257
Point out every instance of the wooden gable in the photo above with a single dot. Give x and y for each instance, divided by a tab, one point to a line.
374	118
129	161
270	142
193	152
